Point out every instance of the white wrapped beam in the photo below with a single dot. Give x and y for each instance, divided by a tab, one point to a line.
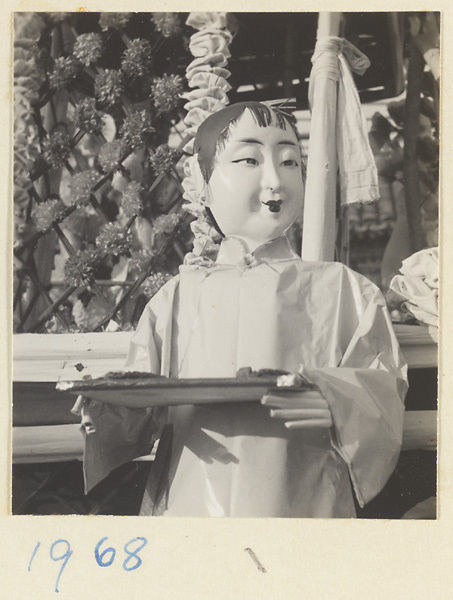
68	356
52	358
60	443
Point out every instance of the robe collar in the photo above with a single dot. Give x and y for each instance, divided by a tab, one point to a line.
234	251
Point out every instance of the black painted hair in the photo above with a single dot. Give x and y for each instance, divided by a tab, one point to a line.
214	132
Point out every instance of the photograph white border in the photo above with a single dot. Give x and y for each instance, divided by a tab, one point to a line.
214	558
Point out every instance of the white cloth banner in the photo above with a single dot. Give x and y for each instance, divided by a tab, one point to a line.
338	139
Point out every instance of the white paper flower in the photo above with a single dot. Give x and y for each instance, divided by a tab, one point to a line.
210	41
206	77
198	20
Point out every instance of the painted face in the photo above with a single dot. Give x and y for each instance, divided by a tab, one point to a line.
256	187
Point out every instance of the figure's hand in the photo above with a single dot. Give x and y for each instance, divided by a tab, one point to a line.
299	410
82	408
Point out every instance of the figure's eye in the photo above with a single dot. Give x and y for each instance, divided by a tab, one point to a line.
247	161
290	163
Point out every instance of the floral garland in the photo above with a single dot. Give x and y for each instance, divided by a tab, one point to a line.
27	80
117	149
206	75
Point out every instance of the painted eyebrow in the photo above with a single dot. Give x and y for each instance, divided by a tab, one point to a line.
253	141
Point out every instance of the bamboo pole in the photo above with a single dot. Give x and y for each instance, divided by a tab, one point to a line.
411	132
329	23
395	28
318	239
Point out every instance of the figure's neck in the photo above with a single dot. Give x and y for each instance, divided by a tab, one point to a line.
233	249
248	245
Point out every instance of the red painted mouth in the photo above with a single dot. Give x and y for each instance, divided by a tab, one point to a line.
274	205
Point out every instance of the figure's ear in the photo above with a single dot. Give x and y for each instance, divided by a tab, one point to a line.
194	186
206	197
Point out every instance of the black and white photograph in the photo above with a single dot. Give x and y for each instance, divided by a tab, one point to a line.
225	264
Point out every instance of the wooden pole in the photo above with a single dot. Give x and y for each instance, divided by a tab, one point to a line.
329	24
411	132
318	239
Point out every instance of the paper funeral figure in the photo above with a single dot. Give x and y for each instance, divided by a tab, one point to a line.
258	305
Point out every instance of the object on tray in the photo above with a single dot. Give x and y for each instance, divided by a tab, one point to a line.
414	292
142	390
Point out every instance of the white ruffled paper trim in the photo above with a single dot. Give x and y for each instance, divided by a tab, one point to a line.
206	76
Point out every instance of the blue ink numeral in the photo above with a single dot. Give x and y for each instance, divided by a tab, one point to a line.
103	559
33	555
64	557
100	557
134	554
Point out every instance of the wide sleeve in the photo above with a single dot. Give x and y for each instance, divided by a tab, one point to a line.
115	435
366	391
150	346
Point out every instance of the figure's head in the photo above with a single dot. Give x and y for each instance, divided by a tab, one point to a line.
251	162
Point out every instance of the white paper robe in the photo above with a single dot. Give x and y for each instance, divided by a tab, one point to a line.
281	313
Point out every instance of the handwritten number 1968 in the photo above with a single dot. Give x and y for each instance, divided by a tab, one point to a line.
64	557
60	550
107	556
134	554
101	558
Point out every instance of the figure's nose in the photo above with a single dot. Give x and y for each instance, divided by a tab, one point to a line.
271	177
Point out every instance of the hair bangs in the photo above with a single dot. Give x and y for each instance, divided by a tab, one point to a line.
215	132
